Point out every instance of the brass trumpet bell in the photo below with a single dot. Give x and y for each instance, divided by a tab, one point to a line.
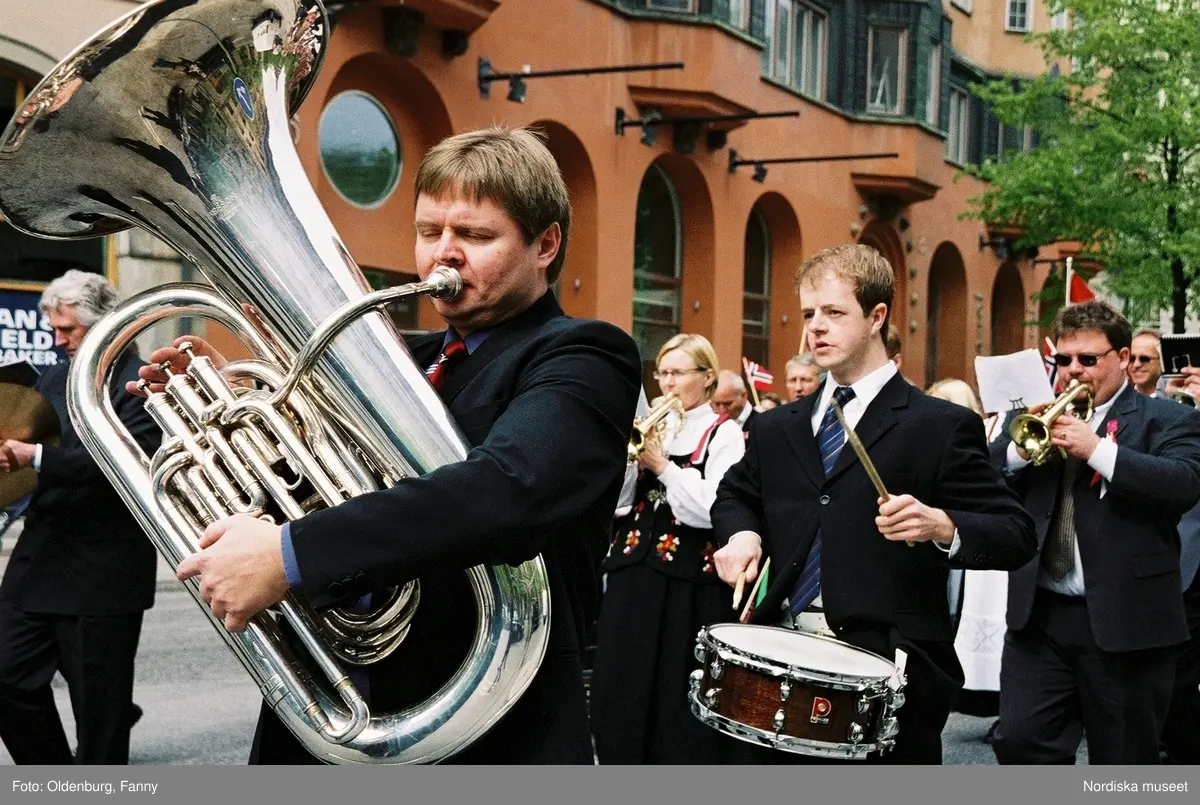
1032	433
650	427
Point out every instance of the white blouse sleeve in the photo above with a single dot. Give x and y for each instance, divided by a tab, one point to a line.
628	488
690	495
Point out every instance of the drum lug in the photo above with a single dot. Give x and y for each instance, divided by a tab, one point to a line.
864	704
700	653
711	696
897	699
716	668
855	734
785	690
695	680
779	720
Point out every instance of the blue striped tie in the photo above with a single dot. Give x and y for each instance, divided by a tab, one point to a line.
830	439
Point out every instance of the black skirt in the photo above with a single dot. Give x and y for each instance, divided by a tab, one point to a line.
644	653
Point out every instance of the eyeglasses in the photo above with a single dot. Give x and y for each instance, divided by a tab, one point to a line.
1084	358
1142	359
674	373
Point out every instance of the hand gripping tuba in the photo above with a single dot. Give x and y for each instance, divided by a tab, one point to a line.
175	119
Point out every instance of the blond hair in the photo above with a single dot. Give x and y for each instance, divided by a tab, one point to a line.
700	350
956	391
863	267
512	168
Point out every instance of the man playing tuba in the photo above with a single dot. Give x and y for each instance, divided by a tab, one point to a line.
545	401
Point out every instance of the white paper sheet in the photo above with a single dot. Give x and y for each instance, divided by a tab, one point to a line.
1012	381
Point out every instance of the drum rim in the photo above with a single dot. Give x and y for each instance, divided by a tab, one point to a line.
836	680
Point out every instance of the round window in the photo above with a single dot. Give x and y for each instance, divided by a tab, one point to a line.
360	152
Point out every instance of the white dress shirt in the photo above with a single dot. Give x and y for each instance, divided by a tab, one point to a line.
1104	461
689	493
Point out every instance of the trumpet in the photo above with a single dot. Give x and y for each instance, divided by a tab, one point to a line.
651	427
1032	433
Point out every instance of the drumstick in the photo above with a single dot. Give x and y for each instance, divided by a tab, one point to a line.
738	589
762	574
861	451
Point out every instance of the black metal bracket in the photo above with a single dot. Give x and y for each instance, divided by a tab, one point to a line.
760	172
687	129
516	81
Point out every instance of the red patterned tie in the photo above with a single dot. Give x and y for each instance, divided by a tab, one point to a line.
439	370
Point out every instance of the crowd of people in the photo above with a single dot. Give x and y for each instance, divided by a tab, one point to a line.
1052	594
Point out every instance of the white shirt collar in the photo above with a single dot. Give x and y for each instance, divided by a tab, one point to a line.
866	389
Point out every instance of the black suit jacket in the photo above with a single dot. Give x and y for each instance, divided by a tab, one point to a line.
1129	540
923	446
82	552
547	402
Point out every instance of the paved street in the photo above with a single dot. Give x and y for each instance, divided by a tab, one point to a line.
200	706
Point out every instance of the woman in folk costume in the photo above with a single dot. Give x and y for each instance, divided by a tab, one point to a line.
661	586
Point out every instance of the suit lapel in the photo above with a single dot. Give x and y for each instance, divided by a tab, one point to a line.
801	438
1125	410
878	419
500	339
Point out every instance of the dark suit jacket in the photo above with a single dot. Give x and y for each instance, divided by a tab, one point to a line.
547	402
1129	540
923	446
82	552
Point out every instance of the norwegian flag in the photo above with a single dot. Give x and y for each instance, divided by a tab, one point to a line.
759	377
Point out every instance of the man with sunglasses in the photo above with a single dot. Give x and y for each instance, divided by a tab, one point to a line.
1095	619
1145	365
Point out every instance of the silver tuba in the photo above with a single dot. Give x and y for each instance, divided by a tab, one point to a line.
175	119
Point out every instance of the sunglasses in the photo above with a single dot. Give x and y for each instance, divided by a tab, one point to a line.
1084	358
1140	359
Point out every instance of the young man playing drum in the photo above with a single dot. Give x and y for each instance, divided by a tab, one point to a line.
800	499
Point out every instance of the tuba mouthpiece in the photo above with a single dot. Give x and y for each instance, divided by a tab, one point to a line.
444	282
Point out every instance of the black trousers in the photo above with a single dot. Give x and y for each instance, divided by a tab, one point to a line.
1181	733
95	654
1056	684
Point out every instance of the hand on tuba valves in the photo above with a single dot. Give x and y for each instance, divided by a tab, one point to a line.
1031	433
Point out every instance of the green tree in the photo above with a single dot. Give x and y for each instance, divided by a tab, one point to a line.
1115	164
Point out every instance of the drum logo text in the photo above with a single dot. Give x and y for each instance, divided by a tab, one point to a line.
820	711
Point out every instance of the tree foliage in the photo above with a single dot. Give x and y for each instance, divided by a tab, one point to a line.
1117	131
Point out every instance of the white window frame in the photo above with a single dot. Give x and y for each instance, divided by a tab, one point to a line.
933	95
901	73
958	129
962	5
742	23
670	6
800	16
1026	139
1013	8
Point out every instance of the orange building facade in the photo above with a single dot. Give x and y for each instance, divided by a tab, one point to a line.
669	235
666	238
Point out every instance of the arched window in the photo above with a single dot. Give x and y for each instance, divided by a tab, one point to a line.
657	264
756	291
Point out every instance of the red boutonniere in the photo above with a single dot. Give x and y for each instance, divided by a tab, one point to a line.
1111	435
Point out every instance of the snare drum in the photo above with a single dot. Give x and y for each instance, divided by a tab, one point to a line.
795	692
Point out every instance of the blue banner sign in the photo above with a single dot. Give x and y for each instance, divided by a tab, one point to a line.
25	335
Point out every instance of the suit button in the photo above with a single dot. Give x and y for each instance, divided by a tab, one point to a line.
824	500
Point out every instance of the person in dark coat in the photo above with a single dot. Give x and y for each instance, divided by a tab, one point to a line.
82	573
802	497
546	403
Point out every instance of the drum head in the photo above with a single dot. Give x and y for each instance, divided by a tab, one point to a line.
799	650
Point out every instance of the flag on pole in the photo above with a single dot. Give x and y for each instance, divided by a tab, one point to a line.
1077	289
1080	290
759	377
1048	359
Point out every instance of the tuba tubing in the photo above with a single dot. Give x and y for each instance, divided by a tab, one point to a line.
174	119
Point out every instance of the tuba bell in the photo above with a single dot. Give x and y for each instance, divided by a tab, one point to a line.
1032	433
175	119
